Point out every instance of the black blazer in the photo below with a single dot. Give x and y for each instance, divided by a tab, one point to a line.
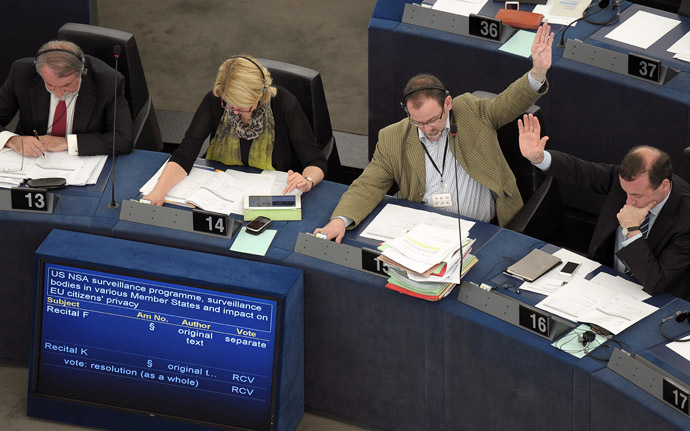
24	92
661	261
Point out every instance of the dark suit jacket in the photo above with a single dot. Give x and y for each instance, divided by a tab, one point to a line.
660	262
24	91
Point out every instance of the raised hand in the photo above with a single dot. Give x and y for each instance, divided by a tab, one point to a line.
541	52
531	146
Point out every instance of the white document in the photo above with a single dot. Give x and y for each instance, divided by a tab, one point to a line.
642	29
545	9
682	45
583	301
76	170
620	284
572	9
395	220
553	280
460	7
682	348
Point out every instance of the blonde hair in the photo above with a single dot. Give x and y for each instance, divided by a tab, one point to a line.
240	83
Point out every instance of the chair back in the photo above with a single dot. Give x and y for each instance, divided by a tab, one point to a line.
307	87
99	42
542	214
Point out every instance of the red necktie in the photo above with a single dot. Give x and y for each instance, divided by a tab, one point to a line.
60	120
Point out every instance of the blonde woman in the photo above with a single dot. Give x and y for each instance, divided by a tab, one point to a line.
251	123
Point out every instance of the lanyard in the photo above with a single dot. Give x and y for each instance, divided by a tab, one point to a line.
445	152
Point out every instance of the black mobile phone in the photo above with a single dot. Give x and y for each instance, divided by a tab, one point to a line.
258	225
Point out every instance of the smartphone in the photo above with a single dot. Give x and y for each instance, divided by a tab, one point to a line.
512	5
569	268
258	225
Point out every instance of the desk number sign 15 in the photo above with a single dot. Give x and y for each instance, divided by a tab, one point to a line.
485	27
28	199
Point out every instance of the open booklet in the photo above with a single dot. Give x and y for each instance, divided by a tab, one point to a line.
220	191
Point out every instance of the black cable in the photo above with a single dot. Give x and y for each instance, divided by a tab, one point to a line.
680	316
563	30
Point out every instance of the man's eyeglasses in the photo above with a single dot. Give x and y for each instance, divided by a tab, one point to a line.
425	123
236	109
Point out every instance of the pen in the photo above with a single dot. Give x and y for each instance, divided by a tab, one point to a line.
36	135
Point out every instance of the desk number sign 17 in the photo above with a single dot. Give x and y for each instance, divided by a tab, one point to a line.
29	199
485	27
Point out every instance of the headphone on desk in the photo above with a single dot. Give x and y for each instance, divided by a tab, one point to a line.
680	317
81	58
586	337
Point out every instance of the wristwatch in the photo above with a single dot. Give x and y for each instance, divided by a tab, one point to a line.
627	230
311	181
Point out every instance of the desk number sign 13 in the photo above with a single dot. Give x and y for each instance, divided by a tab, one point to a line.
28	199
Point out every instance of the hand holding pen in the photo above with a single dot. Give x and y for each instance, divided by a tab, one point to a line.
36	135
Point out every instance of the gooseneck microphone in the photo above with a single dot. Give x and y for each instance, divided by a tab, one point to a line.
113	205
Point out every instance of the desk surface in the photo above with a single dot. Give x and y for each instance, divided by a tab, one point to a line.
371	354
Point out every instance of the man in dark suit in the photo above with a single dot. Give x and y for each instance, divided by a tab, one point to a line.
644	226
69	100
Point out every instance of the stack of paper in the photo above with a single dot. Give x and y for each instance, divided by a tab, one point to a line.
425	262
76	170
219	191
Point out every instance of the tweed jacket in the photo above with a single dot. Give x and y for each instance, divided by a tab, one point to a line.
478	152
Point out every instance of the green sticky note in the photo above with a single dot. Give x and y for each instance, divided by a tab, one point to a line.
520	43
253	244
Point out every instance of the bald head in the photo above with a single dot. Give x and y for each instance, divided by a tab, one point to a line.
645	159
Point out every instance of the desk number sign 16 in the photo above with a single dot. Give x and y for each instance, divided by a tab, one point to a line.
534	321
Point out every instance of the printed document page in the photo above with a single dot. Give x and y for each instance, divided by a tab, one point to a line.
395	220
642	29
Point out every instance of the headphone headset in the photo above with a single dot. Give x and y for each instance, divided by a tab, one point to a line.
263	75
81	59
586	338
680	317
406	96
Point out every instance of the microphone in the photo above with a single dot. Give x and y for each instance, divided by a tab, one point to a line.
113	205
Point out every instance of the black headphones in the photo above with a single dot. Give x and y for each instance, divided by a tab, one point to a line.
586	338
80	58
406	96
680	317
263	75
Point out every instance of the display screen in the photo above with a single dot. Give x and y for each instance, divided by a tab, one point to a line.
156	347
272	201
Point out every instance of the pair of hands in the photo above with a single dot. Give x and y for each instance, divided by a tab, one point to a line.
295	180
32	147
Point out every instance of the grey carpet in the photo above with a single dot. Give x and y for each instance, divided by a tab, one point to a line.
182	43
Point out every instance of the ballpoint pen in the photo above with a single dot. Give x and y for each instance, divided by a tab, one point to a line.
36	135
